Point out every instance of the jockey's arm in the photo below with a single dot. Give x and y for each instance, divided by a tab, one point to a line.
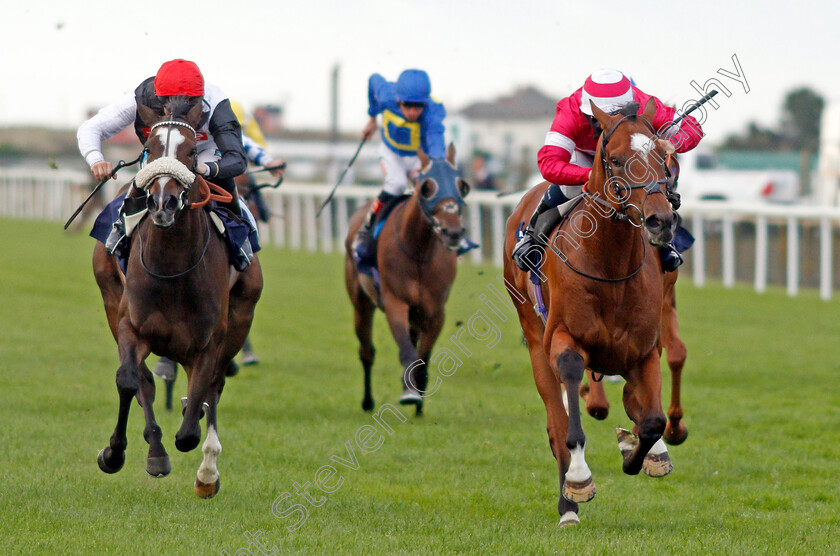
106	123
432	130
554	165
684	137
224	127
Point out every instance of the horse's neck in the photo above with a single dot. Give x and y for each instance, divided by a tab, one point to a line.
414	231
185	238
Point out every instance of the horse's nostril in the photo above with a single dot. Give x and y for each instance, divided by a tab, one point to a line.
653	223
171	203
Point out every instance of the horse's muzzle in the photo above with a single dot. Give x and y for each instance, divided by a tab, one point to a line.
660	229
452	238
164	216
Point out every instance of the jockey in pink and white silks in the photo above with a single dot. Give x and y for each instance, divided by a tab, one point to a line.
566	159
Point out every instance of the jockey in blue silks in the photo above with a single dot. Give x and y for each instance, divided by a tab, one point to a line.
411	120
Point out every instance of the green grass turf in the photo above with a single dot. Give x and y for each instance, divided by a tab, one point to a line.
758	474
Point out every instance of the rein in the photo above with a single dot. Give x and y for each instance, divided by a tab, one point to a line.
178	275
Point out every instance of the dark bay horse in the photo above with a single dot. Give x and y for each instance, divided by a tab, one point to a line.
603	288
416	265
179	298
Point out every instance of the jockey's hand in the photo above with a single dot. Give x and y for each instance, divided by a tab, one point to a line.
276	172
102	170
201	168
369	129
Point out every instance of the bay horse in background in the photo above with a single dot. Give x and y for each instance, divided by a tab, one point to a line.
179	298
417	262
603	295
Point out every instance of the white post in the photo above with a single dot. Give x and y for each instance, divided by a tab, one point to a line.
761	254
728	251
311	228
825	258
278	223
699	251
793	257
475	231
294	231
327	240
498	236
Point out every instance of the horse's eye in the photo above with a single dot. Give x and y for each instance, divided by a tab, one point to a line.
615	161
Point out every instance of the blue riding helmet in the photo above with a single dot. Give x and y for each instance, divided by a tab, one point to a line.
413	85
447	185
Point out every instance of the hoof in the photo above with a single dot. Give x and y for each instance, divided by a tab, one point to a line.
108	454
579	492
410	396
204	490
627	441
568	518
677	436
158	467
657	465
232	369
205	406
367	405
249	358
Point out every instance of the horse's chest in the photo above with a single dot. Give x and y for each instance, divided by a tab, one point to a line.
170	311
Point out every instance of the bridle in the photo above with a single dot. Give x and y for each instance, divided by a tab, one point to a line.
619	186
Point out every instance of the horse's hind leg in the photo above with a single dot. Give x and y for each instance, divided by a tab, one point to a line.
107	276
675	431
593	394
112	458
157	462
207	482
363	322
643	403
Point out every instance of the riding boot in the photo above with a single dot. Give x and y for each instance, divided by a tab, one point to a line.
364	244
528	251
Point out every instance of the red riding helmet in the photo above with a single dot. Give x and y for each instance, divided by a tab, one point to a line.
179	77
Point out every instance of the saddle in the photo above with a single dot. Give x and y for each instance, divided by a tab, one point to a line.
118	220
368	264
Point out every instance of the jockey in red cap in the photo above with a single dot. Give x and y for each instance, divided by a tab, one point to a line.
177	87
567	156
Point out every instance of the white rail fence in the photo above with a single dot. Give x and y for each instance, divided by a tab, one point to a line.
790	245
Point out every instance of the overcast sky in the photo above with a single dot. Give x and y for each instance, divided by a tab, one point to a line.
60	58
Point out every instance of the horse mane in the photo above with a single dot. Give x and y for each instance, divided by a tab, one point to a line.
180	105
630	109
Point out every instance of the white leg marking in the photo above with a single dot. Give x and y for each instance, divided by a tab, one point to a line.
565	399
207	473
578	470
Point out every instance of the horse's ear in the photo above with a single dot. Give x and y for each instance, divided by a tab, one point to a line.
194	115
450	153
147	115
602	117
424	159
650	109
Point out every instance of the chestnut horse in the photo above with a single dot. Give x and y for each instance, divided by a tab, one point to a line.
604	296
676	431
179	298
416	264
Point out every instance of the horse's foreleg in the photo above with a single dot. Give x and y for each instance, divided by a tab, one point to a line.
200	377
132	353
396	311
569	366
425	342
675	431
157	462
643	403
207	482
363	321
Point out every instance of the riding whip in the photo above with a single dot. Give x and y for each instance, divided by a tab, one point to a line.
341	177
122	164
